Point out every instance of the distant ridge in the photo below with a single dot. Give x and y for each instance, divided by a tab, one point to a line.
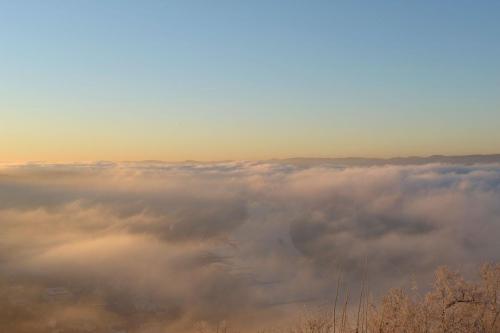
410	160
298	161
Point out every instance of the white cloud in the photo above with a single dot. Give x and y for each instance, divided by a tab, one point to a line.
237	239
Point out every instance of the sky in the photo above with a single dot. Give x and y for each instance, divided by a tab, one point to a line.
216	80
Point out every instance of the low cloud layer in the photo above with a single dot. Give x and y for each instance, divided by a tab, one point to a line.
170	245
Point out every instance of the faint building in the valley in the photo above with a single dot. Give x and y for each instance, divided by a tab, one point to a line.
57	294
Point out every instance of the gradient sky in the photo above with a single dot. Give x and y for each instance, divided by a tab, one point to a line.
205	80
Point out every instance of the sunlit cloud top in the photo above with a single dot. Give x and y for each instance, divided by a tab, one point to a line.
174	238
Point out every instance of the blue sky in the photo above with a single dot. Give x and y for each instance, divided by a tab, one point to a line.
245	80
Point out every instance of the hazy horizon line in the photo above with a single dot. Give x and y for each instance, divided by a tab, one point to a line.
493	156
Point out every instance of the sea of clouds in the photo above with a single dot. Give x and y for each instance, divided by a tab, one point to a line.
245	242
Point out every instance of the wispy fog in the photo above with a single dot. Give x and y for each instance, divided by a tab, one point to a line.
142	246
